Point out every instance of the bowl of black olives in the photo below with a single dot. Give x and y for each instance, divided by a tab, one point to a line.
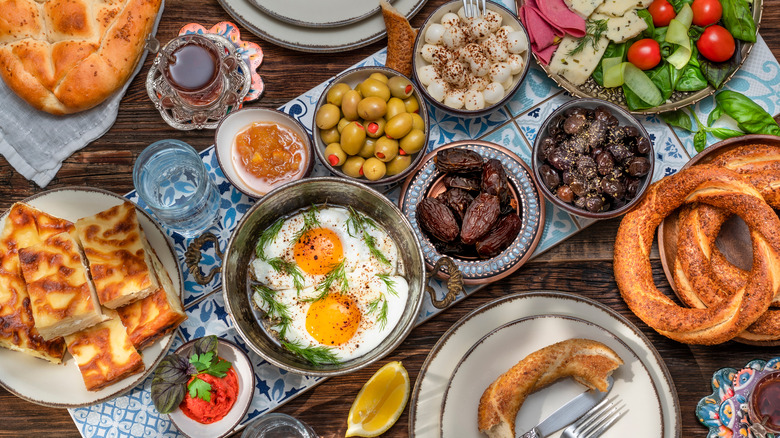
371	126
593	159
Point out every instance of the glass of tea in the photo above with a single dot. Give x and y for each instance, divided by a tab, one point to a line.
192	66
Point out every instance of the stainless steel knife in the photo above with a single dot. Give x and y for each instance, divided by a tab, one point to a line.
568	413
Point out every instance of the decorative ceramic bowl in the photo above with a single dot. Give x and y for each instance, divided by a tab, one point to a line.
236	122
246	388
427	181
353	78
236	279
508	18
625	119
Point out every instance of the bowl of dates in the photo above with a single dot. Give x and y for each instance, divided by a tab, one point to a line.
476	203
593	159
371	126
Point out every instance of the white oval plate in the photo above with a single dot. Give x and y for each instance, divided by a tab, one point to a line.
320	40
502	348
309	13
441	366
246	385
61	386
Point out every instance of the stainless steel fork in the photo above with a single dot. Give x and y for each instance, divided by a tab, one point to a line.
474	8
597	420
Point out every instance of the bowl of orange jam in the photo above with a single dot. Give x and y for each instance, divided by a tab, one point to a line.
259	149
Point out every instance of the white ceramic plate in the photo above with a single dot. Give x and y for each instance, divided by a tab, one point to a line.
473	353
62	386
246	385
307	13
322	40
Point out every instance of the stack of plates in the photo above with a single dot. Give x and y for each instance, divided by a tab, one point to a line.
319	26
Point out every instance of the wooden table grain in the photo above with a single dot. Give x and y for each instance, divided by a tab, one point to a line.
582	264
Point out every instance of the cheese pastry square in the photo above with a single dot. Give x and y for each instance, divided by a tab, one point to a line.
148	319
63	299
118	256
24	226
104	353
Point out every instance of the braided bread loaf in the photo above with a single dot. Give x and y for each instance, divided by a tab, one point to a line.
64	56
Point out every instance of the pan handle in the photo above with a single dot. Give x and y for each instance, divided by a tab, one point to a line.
454	283
193	255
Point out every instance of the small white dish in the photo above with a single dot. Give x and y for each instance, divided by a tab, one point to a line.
238	121
246	387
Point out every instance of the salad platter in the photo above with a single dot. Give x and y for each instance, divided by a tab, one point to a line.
697	78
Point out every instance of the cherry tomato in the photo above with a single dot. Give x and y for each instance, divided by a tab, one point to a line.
645	54
716	44
706	12
662	12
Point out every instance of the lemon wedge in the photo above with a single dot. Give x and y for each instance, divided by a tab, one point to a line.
380	402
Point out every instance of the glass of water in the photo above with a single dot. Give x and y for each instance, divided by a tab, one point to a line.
278	425
171	178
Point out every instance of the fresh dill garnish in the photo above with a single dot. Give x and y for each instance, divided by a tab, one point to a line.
268	235
276	311
289	268
310	222
389	282
594	29
317	356
357	225
374	306
338	273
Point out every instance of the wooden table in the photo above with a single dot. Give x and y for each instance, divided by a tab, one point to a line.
582	264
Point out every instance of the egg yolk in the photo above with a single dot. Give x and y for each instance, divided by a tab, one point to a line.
333	320
318	251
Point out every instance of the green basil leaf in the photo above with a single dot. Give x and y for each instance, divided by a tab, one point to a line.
645	15
662	78
633	101
678	4
738	20
679	119
173	368
717	72
750	117
700	140
714	115
691	79
167	396
724	133
694	32
206	344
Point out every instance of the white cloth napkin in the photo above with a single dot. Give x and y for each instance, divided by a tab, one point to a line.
35	143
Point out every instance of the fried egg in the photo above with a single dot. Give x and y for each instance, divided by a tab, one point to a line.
349	295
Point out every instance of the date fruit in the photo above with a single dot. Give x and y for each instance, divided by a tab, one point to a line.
505	231
437	219
468	183
494	180
458	160
456	199
479	217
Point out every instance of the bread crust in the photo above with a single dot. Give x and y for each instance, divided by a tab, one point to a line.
588	362
400	39
65	56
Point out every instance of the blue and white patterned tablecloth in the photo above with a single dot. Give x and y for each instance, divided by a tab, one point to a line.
514	127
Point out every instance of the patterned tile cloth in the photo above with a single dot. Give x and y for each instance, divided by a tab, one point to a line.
515	127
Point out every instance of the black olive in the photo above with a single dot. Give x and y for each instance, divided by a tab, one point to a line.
594	203
565	194
612	186
579	186
612	121
549	177
605	163
577	111
574	123
643	145
638	166
562	158
620	152
579	203
601	113
632	131
546	147
587	166
632	187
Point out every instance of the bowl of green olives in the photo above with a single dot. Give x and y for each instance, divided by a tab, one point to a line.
371	126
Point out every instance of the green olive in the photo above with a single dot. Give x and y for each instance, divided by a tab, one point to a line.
336	93
352	138
412	142
368	148
342	123
395	106
372	87
375	128
398	126
411	104
327	116
331	135
400	87
374	169
335	155
349	104
386	148
353	166
398	164
418	122
372	108
379	77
